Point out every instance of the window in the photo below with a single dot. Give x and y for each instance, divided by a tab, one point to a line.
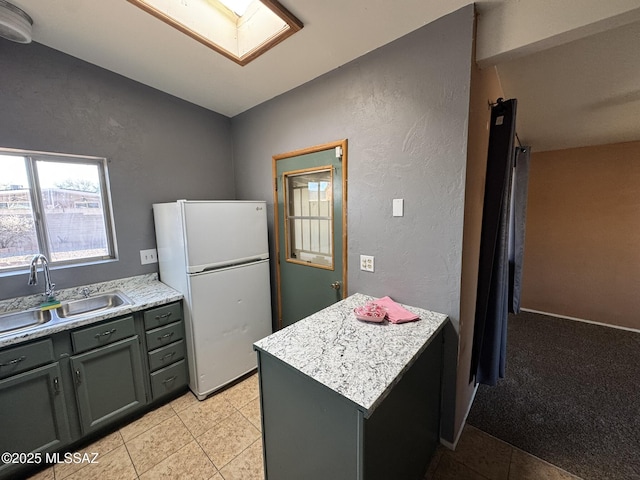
53	204
309	217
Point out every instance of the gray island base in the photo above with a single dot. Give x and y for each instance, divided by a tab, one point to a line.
345	399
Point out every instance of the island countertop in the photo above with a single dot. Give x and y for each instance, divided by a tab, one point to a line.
361	361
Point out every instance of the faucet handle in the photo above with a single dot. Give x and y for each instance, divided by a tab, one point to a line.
50	293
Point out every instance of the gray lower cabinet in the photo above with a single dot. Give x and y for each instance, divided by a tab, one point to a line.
109	383
57	390
33	413
166	350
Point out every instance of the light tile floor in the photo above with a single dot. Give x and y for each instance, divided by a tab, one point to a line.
217	439
220	439
479	456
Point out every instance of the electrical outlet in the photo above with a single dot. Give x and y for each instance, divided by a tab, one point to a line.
366	263
148	256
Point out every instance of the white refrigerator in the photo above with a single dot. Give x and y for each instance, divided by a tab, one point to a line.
216	253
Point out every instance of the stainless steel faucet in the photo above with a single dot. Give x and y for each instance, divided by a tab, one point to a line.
33	275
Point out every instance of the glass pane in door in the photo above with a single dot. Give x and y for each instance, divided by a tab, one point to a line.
309	226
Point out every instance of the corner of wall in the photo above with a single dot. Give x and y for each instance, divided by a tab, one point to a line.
454	395
485	88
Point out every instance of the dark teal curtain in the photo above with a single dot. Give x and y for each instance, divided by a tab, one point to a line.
517	224
498	266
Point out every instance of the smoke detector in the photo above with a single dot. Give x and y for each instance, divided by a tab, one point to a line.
15	25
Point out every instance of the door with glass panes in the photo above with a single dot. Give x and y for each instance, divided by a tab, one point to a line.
310	218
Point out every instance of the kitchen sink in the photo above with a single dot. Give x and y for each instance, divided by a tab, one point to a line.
93	304
99	303
10	322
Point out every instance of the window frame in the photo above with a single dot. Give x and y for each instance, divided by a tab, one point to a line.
38	210
288	217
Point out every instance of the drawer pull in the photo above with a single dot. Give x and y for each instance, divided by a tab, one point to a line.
106	334
167	356
56	385
13	362
166	315
170	379
165	336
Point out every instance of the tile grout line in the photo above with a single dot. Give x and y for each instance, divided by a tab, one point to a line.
131	459
127	448
219	470
510	462
576	477
475	471
451	454
140	418
483	476
170	453
513	447
248	419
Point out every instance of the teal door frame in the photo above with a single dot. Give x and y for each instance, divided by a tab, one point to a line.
340	147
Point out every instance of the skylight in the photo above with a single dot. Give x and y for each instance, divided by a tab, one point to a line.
241	30
239	7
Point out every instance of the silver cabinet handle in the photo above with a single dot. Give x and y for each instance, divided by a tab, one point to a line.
14	361
106	334
170	379
78	378
165	336
168	356
56	385
166	315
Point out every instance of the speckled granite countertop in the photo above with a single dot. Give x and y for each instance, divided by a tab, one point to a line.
144	290
361	361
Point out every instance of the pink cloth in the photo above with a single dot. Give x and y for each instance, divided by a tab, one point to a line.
395	312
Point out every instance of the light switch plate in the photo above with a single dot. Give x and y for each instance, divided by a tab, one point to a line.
398	207
366	263
148	256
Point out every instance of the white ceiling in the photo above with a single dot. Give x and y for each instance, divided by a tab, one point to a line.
579	93
586	92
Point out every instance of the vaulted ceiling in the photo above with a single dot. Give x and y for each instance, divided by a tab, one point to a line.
575	71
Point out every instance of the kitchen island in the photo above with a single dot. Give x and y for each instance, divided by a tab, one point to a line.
345	399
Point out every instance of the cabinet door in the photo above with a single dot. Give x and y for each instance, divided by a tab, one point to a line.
109	383
33	414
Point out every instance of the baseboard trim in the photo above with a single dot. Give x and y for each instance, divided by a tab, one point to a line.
575	319
452	446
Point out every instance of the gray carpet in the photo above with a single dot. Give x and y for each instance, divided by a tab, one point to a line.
571	396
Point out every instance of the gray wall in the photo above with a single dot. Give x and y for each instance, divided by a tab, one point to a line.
404	109
159	148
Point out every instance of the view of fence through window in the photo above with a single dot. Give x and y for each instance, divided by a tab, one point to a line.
53	206
310	214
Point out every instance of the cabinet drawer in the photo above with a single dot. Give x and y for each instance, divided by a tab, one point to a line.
169	379
157	317
159	337
24	357
103	334
166	355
